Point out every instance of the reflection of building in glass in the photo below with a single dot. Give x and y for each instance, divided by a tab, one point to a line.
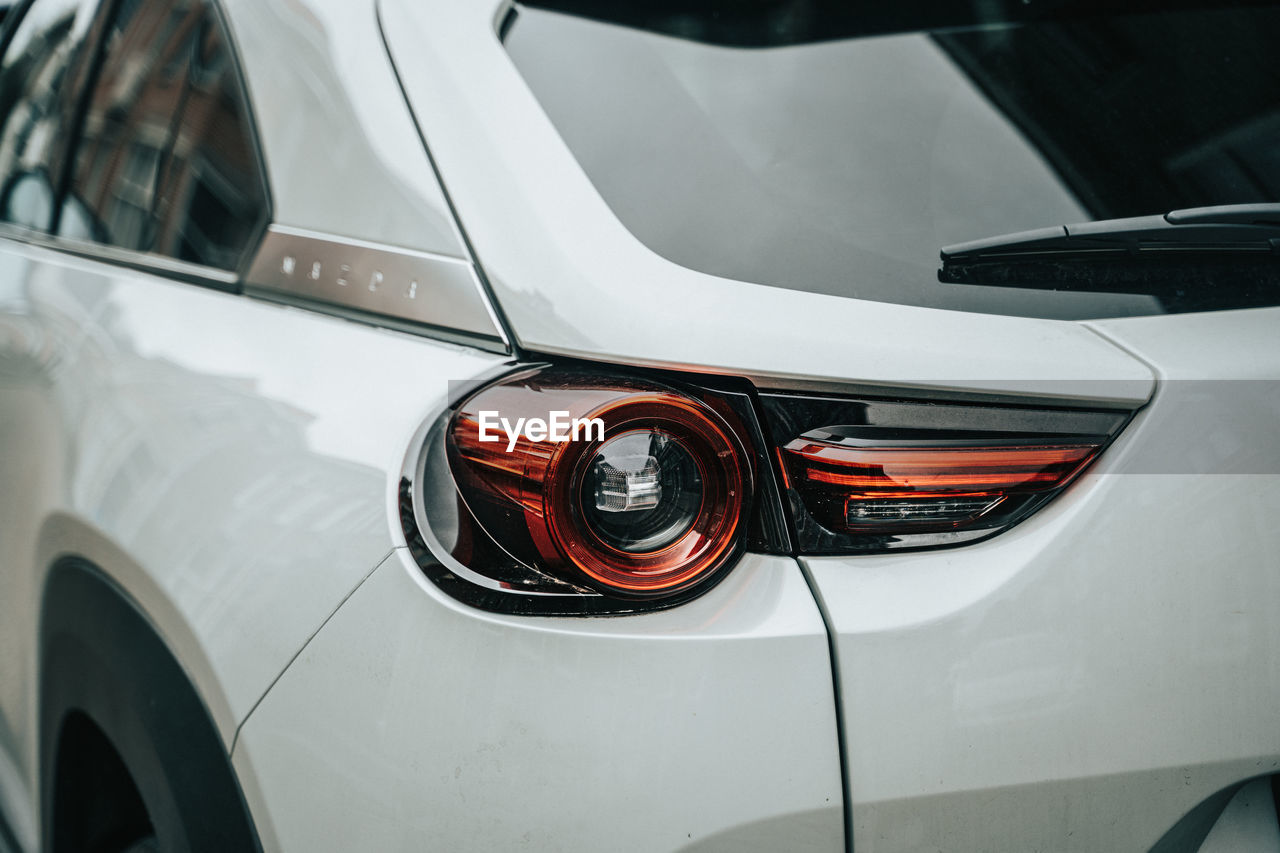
34	103
166	164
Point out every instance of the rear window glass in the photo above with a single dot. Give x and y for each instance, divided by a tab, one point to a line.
807	146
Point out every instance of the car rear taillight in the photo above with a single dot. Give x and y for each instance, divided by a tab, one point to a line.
571	483
646	504
871	475
869	487
578	489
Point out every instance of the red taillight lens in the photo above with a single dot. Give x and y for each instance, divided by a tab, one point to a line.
877	474
866	487
644	498
572	489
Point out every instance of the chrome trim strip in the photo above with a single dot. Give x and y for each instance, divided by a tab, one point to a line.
375	279
382	321
448	302
146	262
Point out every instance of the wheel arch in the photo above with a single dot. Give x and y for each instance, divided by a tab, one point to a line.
102	656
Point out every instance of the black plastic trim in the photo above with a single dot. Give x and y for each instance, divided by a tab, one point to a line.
1189	833
102	657
103	16
507	22
255	139
8	841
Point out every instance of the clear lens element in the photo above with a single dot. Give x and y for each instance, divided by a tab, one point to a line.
869	487
627	477
951	510
647	490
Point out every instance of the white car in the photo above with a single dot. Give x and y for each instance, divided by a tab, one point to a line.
639	426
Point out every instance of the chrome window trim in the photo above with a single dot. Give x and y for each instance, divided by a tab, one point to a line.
470	322
132	259
382	321
419	290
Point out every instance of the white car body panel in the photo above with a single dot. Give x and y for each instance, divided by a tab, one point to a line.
170	428
419	722
339	143
1008	695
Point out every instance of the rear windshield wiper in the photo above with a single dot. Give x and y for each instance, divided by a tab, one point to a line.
1247	228
1171	256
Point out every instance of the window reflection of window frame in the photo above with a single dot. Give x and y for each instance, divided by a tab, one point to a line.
132	195
196	114
11	184
30	141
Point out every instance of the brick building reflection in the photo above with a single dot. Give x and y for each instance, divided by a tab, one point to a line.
168	83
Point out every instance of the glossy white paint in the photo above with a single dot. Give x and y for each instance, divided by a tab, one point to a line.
227	461
418	722
573	280
1083	680
1214	346
342	154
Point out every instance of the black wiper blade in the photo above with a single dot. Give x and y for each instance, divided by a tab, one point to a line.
1201	259
1232	228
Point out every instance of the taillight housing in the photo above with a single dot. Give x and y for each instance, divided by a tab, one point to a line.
573	489
585	491
877	474
643	496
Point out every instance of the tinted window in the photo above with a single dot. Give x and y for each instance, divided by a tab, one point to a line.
38	105
166	162
779	143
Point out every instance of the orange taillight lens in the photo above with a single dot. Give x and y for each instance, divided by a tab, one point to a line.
645	499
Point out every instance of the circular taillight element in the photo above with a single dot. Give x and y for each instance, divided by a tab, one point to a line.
624	485
641	491
655	507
